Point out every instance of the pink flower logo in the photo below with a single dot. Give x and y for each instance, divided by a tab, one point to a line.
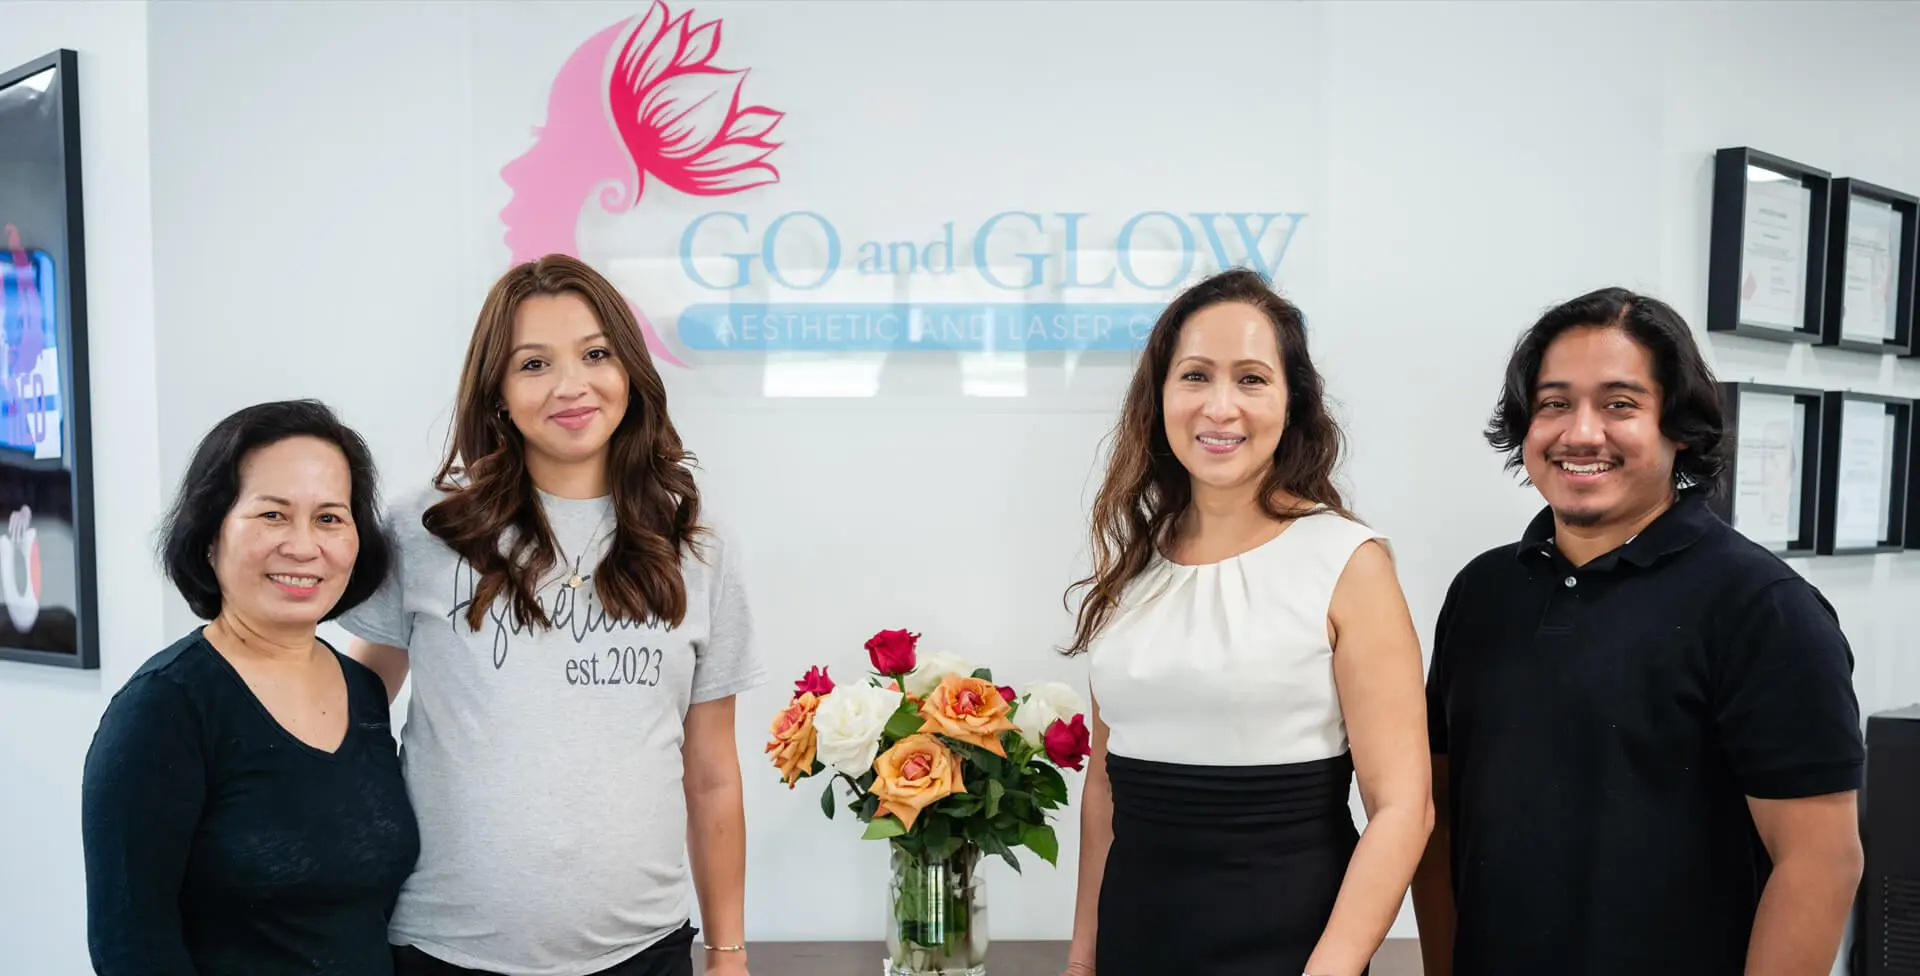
639	98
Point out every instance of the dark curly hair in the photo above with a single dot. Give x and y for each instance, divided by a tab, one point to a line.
1691	412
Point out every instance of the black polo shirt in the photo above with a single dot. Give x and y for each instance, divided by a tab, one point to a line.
1604	726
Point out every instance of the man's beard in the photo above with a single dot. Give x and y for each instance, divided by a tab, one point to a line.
1579	518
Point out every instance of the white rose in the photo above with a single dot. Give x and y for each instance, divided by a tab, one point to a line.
848	723
1045	702
934	666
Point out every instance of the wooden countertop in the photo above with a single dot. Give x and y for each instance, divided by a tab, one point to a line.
1399	957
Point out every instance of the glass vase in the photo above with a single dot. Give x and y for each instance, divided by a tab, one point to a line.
937	915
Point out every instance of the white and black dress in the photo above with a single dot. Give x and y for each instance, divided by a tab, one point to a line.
1228	760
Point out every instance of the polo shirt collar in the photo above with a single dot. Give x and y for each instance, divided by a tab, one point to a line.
1682	524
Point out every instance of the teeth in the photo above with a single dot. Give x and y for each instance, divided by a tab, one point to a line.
1222	441
1594	467
295	580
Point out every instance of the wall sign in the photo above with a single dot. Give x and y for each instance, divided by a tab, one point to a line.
651	102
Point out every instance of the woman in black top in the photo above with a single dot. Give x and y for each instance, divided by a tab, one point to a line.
242	808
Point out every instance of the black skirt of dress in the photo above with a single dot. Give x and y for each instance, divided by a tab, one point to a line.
1222	870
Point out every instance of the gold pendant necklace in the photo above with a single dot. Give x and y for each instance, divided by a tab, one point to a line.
576	581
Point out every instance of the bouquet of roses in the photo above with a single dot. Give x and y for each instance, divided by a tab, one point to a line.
934	755
946	766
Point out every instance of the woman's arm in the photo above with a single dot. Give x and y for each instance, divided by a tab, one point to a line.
1096	835
385	660
1376	664
141	793
717	831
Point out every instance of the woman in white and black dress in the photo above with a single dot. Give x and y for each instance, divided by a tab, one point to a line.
1250	651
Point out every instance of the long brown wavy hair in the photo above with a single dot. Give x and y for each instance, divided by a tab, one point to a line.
490	496
1147	489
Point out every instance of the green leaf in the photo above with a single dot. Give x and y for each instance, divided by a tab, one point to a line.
1039	839
946	849
984	674
985	761
962	804
906	721
1048	784
991	843
1019	804
994	792
882	828
1018	752
826	800
935	830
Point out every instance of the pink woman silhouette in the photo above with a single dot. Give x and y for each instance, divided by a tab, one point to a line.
640	97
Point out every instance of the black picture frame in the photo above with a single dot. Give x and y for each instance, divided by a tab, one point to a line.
1726	503
1913	481
1832	444
1905	264
47	560
1727	271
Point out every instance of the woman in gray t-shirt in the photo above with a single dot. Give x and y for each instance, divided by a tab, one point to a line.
575	637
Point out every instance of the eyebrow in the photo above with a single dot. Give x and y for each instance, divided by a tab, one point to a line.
1627	385
542	347
277	500
1263	364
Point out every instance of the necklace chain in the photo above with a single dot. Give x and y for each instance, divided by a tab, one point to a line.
574	580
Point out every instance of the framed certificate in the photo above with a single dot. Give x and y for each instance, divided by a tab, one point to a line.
1767	266
1865	447
1870	268
1772	482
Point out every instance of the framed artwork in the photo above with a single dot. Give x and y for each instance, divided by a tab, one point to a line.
1870	268
1865	449
1766	271
1772	483
46	479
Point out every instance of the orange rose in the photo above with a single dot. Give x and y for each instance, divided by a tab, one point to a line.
916	773
793	738
970	710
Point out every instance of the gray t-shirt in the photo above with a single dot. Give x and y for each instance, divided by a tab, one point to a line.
545	767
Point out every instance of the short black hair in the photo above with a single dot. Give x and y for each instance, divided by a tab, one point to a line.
1691	412
211	485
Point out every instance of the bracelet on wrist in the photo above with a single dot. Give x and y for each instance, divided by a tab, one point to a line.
725	948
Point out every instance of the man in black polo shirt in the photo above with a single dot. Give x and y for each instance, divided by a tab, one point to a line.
1645	734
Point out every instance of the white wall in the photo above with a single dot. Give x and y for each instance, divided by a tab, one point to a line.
47	715
325	229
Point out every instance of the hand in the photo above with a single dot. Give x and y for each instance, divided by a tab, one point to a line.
1078	968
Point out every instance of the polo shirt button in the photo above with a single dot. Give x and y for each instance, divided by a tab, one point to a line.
1570	582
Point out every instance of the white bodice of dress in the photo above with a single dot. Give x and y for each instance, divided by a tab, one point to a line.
1228	663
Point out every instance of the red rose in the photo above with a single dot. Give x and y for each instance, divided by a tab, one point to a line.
1068	744
1007	693
816	681
892	651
